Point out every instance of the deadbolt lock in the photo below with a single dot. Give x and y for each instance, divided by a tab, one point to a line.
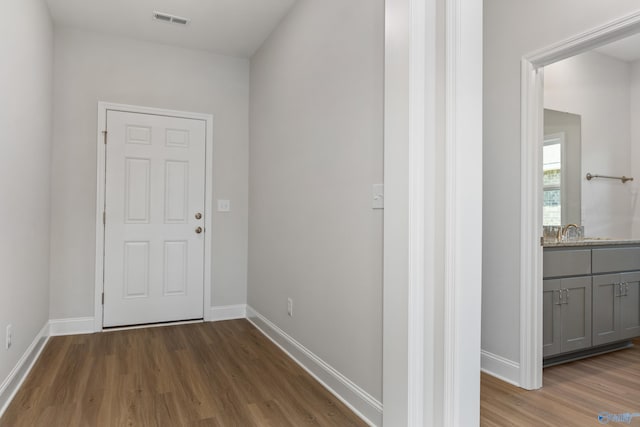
198	215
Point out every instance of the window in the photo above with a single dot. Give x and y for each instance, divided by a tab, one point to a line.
552	172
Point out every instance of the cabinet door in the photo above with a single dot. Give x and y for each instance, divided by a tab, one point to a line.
551	318
606	308
576	313
630	306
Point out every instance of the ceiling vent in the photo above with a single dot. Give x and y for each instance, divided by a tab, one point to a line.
166	17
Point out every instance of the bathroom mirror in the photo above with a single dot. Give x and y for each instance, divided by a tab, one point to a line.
561	158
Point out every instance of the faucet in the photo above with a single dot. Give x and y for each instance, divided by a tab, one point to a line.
562	231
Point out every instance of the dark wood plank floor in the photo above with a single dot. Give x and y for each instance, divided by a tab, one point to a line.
573	394
205	374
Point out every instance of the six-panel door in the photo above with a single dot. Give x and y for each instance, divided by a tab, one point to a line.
154	204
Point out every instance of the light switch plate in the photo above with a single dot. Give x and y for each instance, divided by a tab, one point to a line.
224	205
377	194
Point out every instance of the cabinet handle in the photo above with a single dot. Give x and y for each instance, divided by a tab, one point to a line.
622	289
566	296
617	290
559	300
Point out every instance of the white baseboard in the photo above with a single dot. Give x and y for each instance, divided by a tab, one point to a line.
500	367
13	382
227	312
362	403
72	326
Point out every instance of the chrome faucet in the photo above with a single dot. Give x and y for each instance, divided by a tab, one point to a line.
562	231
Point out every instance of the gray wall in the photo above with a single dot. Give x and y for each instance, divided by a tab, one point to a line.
513	29
316	149
597	87
26	50
90	68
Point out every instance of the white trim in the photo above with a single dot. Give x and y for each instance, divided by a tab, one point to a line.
531	183
395	359
208	210
227	312
363	404
531	229
449	387
432	247
71	326
463	195
419	97
18	374
499	367
591	39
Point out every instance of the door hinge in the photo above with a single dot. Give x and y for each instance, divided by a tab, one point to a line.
104	218
541	240
104	132
103	298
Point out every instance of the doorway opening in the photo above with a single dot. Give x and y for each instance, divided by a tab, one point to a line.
531	254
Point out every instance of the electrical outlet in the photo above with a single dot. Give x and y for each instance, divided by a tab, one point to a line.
8	337
290	307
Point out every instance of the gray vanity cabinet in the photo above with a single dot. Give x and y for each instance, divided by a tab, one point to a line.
551	313
630	305
606	308
566	315
616	307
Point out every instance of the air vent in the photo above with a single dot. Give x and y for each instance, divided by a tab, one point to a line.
166	17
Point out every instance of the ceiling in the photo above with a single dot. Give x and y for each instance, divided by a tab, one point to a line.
627	49
228	27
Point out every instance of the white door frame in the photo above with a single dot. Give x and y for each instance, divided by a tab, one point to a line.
433	212
103	107
532	135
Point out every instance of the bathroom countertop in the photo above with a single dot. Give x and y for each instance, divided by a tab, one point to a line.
591	242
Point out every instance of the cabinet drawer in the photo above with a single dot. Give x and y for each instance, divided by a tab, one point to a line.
607	260
573	262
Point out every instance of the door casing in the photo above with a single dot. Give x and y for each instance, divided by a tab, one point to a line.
103	107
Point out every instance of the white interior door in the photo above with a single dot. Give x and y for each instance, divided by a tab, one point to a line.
154	219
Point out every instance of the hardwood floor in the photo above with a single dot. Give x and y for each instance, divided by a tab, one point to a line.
573	394
204	374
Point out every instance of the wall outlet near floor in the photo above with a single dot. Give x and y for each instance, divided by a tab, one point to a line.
8	337
290	307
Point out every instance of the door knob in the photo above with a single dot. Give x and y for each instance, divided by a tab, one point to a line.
199	230
198	215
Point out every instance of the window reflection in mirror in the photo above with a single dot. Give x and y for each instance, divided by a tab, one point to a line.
552	179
